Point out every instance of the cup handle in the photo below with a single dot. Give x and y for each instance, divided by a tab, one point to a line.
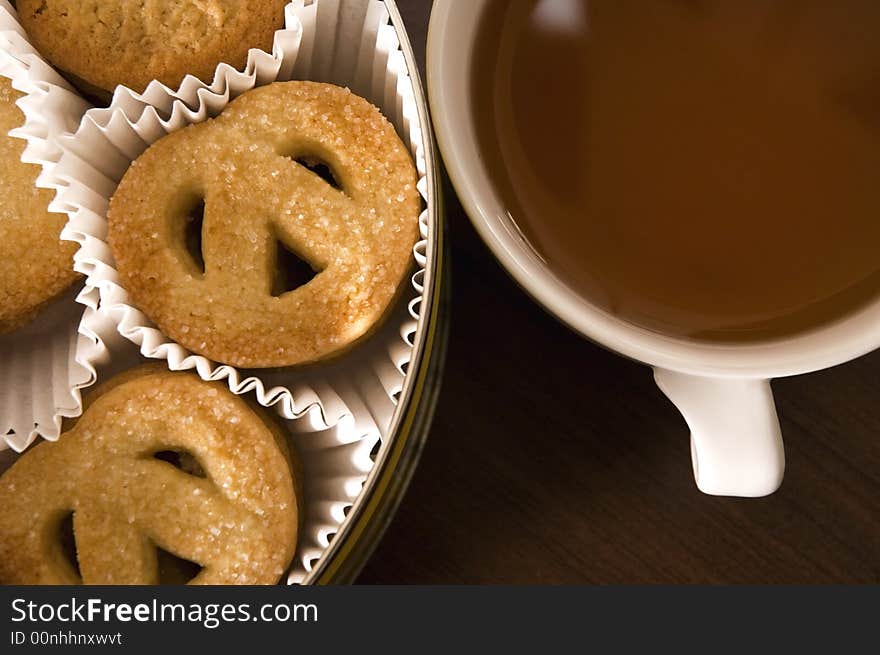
736	443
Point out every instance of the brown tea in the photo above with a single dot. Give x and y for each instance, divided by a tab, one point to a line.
703	168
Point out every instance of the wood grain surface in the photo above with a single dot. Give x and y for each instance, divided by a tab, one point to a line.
552	460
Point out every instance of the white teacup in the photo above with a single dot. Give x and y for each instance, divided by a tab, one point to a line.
723	391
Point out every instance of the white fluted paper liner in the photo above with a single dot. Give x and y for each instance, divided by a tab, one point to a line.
339	412
44	365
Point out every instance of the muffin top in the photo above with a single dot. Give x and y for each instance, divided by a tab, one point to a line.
105	43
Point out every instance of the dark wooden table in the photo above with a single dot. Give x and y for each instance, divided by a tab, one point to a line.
553	461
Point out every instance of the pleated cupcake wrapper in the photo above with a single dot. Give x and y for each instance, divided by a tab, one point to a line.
44	365
338	413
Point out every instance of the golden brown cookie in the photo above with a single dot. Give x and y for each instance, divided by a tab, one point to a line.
204	222
131	42
232	510
35	265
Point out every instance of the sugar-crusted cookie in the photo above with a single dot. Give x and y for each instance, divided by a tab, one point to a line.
203	222
35	265
109	42
232	510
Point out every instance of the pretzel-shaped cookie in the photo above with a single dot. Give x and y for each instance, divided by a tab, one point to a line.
249	167
238	522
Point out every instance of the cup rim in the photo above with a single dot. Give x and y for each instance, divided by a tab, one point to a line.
451	34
